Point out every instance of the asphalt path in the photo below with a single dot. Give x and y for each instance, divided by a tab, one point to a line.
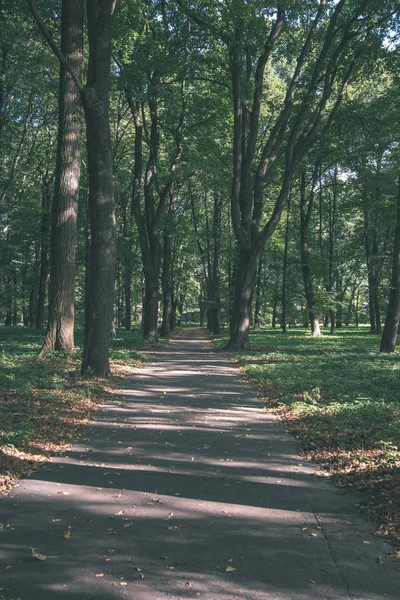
184	488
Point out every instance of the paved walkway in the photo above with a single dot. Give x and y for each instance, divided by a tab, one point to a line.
183	488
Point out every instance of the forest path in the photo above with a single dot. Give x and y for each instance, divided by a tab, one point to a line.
183	488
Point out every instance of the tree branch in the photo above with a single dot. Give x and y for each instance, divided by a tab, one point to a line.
49	39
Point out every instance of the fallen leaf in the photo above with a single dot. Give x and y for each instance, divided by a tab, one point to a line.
67	534
99	574
229	569
123	583
128	525
38	556
120	512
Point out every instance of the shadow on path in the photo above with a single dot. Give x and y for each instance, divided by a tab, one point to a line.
184	488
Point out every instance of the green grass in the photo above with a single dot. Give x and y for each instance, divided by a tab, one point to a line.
44	403
341	397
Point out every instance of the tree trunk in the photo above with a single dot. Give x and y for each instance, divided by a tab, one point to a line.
60	329
44	254
392	321
274	312
174	307
285	268
95	96
331	267
166	286
257	307
127	295
215	279
150	319
15	296
8	301
305	214
340	299
246	275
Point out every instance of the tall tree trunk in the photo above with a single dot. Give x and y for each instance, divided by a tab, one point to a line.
174	307
305	215
60	329
95	96
166	285
274	311
257	307
44	253
331	266
214	270
392	321
340	292
285	269
128	297
8	300
245	279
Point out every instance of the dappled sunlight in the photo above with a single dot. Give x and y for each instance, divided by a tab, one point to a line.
183	487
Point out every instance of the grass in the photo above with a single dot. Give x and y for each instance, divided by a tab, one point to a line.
45	404
341	398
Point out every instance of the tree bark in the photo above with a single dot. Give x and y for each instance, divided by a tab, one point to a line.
331	266
305	216
44	253
95	95
166	285
285	269
392	321
214	299
95	98
60	329
240	324
257	307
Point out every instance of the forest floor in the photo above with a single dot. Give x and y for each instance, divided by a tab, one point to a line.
181	488
44	404
341	399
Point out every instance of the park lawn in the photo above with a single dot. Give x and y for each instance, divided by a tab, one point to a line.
44	403
341	398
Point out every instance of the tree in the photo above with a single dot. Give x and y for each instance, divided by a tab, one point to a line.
325	58
306	206
390	330
160	90
95	98
60	328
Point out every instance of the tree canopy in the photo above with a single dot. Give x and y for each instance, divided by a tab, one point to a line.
239	165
